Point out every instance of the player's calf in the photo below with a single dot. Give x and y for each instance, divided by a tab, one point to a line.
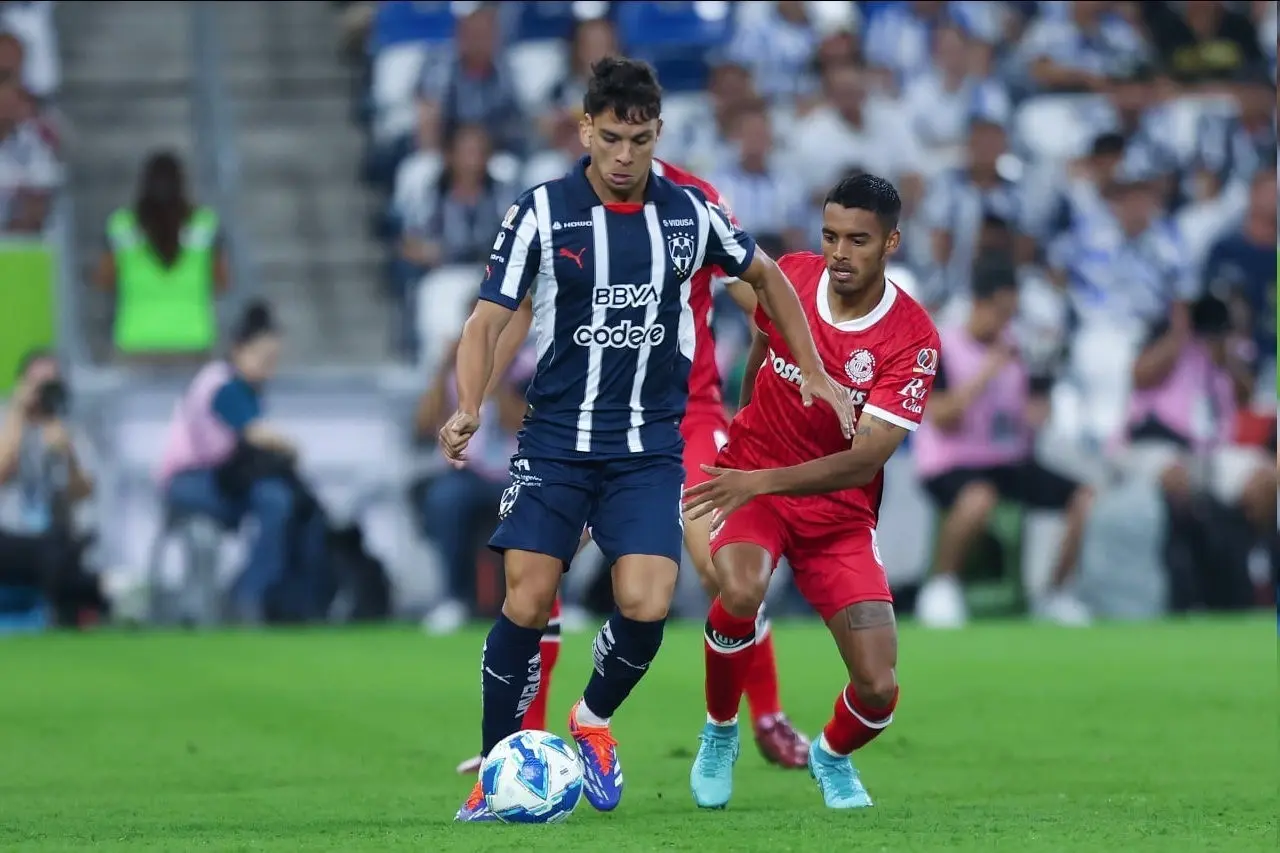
866	634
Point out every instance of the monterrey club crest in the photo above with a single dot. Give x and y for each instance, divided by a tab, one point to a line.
681	248
860	367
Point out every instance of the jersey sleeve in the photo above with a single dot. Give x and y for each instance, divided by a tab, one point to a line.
728	246
901	392
515	257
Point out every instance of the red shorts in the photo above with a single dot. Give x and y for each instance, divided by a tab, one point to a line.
705	431
832	570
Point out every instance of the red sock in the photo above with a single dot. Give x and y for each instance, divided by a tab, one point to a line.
549	647
762	681
730	644
855	724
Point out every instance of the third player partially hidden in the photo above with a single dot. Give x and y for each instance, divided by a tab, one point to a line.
789	483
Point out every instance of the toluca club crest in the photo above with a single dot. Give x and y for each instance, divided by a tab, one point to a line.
860	367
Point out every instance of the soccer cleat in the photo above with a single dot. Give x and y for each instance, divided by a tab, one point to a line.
601	771
781	744
711	778
474	809
837	780
471	765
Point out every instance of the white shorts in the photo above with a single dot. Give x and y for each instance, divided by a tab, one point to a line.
1222	472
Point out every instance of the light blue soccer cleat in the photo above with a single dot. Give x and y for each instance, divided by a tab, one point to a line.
837	780
711	778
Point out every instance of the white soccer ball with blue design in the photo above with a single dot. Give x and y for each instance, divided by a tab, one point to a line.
532	777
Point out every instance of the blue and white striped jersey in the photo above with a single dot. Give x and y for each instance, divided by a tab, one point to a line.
611	316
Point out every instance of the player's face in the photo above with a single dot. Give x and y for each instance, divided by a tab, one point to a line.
621	152
856	248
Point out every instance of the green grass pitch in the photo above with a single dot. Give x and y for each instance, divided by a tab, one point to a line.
1009	737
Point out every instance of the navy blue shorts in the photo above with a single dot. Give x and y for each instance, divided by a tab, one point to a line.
631	505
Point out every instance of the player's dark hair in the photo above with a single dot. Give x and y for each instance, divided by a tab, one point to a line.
626	87
1210	316
868	192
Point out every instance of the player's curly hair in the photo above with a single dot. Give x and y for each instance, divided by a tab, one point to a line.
868	192
626	87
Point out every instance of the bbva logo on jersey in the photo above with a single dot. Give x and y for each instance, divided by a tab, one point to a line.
681	248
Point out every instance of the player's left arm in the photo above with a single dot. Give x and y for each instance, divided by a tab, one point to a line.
894	408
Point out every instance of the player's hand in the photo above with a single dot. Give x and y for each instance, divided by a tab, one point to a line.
823	387
456	434
727	490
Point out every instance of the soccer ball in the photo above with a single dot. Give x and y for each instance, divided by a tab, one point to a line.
531	777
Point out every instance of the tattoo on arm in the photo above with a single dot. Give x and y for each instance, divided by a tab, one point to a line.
868	614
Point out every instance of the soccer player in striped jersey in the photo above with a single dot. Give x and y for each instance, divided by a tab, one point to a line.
705	427
608	252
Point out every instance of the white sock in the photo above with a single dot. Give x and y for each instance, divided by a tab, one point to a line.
586	717
723	723
826	747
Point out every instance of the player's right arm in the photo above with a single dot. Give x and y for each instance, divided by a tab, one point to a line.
512	266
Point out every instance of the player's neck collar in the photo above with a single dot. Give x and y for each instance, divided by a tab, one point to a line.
857	324
583	195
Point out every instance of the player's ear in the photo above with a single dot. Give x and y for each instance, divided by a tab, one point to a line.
657	133
891	244
586	129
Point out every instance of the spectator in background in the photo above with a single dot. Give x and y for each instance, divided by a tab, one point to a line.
1182	418
460	506
165	265
853	128
592	41
1078	52
941	101
474	85
32	22
707	144
1232	148
764	196
12	55
1241	270
29	169
1133	107
898	38
219	420
37	452
40	463
1205	42
962	199
976	448
565	147
1078	194
461	207
777	46
1125	264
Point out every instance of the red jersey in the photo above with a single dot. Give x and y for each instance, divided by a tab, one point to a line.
886	359
704	375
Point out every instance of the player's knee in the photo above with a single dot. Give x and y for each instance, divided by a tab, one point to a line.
876	689
976	500
531	591
642	587
743	594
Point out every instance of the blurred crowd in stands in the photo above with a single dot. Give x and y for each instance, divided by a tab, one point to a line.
1115	160
1090	212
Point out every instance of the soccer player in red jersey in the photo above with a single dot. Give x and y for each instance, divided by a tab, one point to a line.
789	483
705	429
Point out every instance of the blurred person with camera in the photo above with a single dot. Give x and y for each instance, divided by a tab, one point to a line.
976	448
1181	431
164	265
39	460
222	458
